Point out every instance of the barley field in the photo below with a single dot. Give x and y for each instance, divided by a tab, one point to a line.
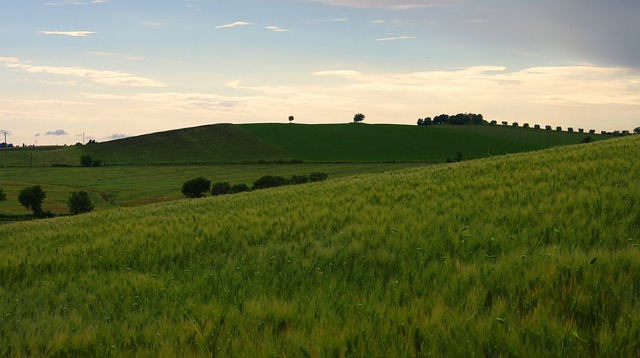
532	254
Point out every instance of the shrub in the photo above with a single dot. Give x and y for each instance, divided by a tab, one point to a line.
299	179
514	124
525	125
570	129
3	196
32	198
537	126
239	188
88	161
548	128
269	181
314	177
493	123
79	202
220	188
558	129
196	188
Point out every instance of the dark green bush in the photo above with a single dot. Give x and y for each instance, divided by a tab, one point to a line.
220	188
313	177
79	202
239	188
269	181
299	179
196	188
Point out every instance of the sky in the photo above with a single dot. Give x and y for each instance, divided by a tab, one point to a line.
74	70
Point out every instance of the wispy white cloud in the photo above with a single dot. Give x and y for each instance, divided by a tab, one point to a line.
74	2
235	24
560	85
116	56
112	78
396	38
68	33
276	29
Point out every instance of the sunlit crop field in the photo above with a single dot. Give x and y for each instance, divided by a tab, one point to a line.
527	254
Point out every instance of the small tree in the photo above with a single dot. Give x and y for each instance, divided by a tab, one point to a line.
79	202
196	188
318	176
636	130
239	188
291	119
220	188
32	198
547	127
493	122
86	160
558	129
269	181
536	126
359	117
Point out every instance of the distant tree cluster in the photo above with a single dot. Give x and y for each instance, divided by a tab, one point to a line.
199	187
458	119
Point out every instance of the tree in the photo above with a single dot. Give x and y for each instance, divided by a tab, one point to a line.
86	160
220	188
79	202
196	188
239	188
32	198
314	177
269	181
291	119
359	117
637	130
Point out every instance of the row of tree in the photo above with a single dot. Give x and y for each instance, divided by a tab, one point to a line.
458	119
32	198
199	187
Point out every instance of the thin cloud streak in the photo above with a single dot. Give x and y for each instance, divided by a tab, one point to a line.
67	33
235	24
112	78
396	38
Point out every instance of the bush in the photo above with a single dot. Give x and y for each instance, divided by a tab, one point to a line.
3	196
220	188
299	179
79	202
196	188
269	181
88	161
239	188
314	177
32	198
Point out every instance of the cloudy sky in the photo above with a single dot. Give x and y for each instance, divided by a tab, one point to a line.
116	68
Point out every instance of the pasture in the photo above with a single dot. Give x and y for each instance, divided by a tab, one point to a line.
531	253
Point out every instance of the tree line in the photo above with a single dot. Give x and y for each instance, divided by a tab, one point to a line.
200	187
458	119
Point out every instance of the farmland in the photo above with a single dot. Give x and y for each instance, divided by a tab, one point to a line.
530	252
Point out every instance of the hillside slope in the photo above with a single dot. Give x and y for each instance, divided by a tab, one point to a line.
218	143
533	253
387	142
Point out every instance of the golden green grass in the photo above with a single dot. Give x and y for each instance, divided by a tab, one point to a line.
526	254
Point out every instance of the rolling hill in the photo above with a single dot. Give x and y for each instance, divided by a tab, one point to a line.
227	143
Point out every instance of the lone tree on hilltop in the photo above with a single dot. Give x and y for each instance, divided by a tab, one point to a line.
32	198
291	118
79	202
196	188
359	117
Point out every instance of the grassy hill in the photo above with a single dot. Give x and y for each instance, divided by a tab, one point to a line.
533	253
227	143
386	142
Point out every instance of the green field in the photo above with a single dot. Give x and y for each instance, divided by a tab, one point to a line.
256	143
117	186
523	254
